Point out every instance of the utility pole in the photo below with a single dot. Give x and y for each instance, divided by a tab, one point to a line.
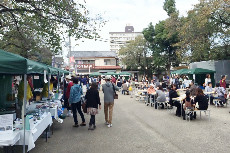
69	49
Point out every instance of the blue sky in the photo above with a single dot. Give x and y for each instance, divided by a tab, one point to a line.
138	13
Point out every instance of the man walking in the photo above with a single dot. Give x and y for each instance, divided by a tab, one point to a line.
108	89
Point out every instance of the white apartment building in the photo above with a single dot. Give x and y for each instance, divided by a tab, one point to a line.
119	39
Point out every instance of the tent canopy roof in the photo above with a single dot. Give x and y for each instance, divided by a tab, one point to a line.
95	74
199	71
15	64
125	73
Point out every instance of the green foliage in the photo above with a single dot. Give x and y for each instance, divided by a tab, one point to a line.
204	33
169	6
35	27
136	55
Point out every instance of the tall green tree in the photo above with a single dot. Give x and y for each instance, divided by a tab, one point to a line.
162	39
205	33
33	27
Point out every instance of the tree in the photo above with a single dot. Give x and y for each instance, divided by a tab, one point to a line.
205	32
169	6
165	49
31	27
136	56
162	39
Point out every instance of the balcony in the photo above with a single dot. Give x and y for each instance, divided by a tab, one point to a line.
85	66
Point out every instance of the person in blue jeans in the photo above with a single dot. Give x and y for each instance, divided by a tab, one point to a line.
75	102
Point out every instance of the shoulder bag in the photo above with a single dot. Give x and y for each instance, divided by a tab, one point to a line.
115	94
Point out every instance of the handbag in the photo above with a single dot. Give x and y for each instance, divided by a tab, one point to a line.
130	88
83	105
115	94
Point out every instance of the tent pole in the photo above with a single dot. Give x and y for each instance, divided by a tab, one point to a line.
49	90
58	86
24	113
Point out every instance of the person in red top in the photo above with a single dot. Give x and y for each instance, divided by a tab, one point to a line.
70	84
114	80
223	82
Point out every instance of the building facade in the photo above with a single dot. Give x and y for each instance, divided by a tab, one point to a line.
119	39
86	62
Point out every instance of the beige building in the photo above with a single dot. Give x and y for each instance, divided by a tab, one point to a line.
86	62
119	39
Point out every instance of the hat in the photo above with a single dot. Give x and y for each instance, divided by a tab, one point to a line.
107	77
68	77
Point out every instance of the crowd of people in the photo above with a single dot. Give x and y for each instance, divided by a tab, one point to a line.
159	91
85	90
196	96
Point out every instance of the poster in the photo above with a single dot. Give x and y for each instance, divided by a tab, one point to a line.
36	77
6	123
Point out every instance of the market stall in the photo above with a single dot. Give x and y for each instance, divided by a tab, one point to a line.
34	121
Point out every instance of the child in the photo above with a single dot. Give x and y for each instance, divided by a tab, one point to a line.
188	104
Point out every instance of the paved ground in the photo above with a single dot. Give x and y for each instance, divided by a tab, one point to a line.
141	129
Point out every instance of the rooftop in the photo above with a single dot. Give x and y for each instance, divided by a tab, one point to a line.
123	32
81	54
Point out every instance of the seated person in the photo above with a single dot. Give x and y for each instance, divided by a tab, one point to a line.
173	94
160	96
209	89
201	99
150	93
188	104
124	88
220	92
193	89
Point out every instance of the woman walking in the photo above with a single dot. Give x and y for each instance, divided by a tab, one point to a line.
92	102
75	102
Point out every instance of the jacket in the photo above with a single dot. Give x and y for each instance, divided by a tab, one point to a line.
202	102
193	90
223	83
92	98
172	94
108	91
124	86
70	84
75	94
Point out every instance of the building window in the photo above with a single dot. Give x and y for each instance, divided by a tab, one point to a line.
107	62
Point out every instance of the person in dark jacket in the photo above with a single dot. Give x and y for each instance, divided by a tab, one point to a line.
201	99
173	94
92	102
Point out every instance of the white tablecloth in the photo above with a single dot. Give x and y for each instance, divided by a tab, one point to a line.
32	135
9	139
53	110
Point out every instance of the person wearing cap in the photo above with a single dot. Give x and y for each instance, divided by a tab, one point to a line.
108	89
70	84
66	99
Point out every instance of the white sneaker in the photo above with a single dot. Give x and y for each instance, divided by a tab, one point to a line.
109	126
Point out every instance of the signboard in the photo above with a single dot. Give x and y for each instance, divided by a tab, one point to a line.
6	123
